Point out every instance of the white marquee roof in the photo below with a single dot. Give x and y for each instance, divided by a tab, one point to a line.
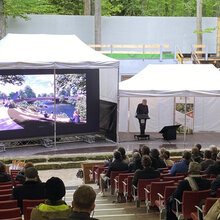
40	51
173	80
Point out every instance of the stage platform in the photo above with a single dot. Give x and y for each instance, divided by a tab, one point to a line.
126	140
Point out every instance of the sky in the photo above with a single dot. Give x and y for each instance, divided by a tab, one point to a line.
39	83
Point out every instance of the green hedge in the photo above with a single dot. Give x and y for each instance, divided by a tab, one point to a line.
57	166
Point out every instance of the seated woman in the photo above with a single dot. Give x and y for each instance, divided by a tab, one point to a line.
4	177
54	207
167	161
157	162
136	163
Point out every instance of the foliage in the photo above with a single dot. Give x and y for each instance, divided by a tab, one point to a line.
71	101
62	99
12	79
81	107
29	92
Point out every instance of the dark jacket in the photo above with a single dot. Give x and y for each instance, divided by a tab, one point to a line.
215	185
116	165
146	173
76	216
157	163
203	184
214	156
135	165
20	177
142	109
213	169
4	177
29	190
206	163
197	158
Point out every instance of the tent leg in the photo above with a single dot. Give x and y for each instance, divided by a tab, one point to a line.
55	114
118	103
184	139
129	114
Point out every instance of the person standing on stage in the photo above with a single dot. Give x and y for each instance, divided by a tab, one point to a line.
142	109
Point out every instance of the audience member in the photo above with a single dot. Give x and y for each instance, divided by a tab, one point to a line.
162	150
136	163
199	146
183	165
31	189
214	151
54	205
124	157
215	168
4	177
191	183
167	161
147	173
214	212
157	162
214	186
20	176
144	150
207	160
117	165
195	155
83	204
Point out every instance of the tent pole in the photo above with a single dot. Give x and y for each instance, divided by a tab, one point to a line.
129	114
55	114
185	120
118	109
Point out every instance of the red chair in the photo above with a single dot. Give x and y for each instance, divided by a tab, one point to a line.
139	190
94	168
209	202
161	202
27	215
162	175
162	169
218	193
18	218
151	194
127	187
30	203
182	174
10	204
3	187
5	191
14	174
118	181
5	183
97	172
5	197
189	200
174	178
10	213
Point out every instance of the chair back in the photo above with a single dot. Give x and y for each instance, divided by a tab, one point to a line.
168	191
174	178
5	191
27	215
209	202
18	218
142	183
113	175
162	175
182	174
121	178
30	203
14	173
3	187
190	199
10	213
158	187
5	183
5	197
10	204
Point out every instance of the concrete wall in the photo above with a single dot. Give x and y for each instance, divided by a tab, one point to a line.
121	30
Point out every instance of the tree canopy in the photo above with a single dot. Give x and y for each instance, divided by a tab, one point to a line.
211	8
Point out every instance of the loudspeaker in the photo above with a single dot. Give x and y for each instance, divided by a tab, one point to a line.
169	132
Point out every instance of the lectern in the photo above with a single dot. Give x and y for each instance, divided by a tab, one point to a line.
142	120
169	132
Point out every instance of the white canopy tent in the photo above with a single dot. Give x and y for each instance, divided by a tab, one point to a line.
164	83
52	52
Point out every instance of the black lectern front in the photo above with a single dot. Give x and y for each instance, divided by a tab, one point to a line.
169	132
142	121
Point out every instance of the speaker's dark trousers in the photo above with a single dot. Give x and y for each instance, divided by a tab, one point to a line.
142	126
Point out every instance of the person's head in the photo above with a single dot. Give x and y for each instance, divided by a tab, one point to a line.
145	150
218	157
55	189
194	168
207	155
155	153
213	149
31	174
146	161
195	151
122	151
199	146
84	199
166	155
187	156
134	151
28	164
136	156
2	167
117	155
144	102
162	150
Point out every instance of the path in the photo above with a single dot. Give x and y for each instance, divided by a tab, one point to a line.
6	123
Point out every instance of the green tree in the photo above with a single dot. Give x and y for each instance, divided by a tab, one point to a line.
29	93
12	79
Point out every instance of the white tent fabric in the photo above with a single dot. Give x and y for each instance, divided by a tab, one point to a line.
40	51
173	80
